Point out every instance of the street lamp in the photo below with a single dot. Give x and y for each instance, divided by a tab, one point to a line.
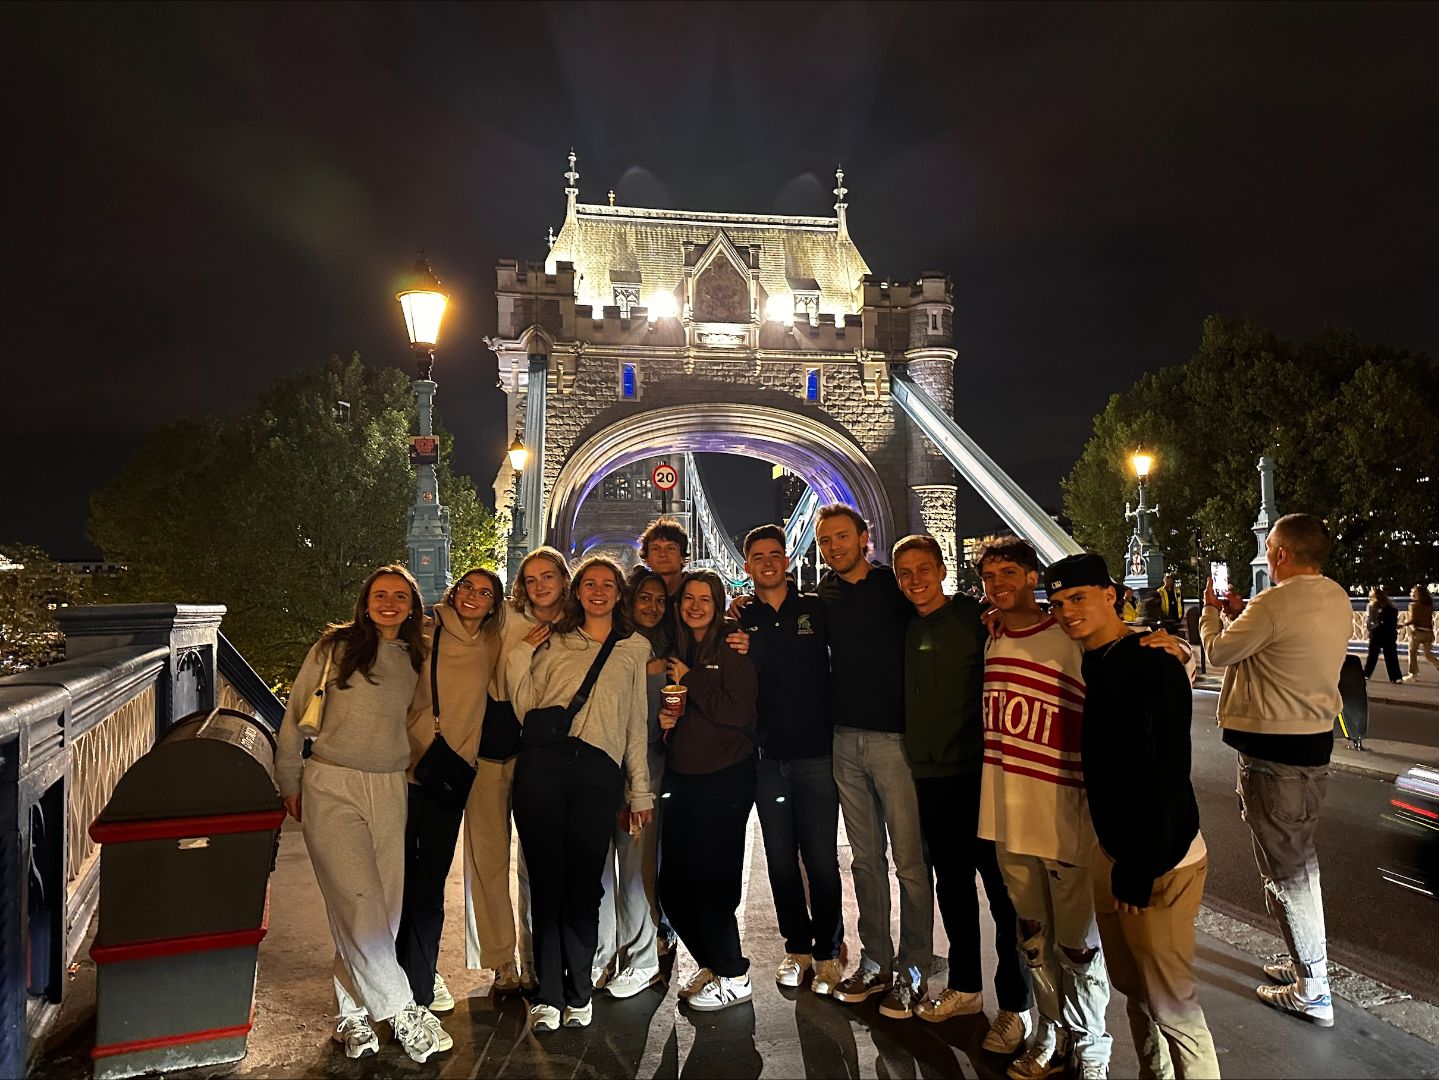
1143	561
519	454
423	302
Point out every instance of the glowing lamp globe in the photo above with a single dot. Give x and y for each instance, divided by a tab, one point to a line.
519	454
663	306
1142	463
423	301
779	309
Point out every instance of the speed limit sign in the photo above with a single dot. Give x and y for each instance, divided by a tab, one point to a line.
665	478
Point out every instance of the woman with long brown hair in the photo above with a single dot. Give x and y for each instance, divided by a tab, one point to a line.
1382	620
581	756
710	778
349	798
451	695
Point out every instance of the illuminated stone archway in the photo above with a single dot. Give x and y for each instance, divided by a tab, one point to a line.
827	459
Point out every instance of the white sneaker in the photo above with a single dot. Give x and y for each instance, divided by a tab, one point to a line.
417	1030
1281	969
444	1041
544	1018
792	968
443	1001
1008	1032
598	977
631	981
1319	1011
579	1017
949	1003
702	978
507	979
1092	1070
356	1035
722	992
827	975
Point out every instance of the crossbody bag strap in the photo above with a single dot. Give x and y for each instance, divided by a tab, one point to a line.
583	693
435	674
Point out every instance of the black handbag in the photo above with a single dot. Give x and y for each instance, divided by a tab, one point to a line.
544	727
445	776
500	735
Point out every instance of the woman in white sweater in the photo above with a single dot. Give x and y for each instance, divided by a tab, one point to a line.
349	798
569	788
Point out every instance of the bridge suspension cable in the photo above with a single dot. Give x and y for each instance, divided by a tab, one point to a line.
1021	513
719	551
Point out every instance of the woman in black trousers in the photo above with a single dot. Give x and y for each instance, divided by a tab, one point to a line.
1382	620
568	789
709	789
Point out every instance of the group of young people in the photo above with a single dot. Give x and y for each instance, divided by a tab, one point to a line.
630	724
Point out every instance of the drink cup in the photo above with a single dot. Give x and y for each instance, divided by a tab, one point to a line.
674	698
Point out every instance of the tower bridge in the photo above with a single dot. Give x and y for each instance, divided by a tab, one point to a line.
653	333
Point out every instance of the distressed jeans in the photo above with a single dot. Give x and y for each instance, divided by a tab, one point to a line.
1281	805
1070	994
877	797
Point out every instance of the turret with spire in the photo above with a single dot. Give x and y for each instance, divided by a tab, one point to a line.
572	189
840	191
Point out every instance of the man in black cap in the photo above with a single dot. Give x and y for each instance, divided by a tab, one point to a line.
1150	865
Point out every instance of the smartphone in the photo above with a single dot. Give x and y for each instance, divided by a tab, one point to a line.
1220	573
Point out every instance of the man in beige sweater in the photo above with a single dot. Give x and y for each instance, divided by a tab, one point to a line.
1277	707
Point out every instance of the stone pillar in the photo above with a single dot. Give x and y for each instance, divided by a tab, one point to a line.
933	504
532	480
1259	565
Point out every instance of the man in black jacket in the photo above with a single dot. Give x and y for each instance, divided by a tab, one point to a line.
1150	865
796	795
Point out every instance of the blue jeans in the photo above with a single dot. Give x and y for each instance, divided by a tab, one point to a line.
876	794
799	814
1281	805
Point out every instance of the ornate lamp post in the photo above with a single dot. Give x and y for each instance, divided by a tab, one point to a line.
423	302
1144	562
519	541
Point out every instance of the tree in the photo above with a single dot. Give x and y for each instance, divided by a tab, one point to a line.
280	514
1348	422
32	586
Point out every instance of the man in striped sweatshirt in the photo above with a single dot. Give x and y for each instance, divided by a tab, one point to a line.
1032	804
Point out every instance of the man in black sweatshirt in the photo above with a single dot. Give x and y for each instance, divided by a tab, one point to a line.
796	796
868	617
1150	865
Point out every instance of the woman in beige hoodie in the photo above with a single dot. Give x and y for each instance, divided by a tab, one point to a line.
451	691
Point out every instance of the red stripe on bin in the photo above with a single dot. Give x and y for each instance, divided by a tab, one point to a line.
160	1042
178	946
176	828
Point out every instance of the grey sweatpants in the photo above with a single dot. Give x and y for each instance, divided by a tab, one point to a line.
354	826
629	908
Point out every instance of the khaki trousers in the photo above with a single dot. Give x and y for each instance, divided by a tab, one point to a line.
1151	961
490	933
354	825
1421	644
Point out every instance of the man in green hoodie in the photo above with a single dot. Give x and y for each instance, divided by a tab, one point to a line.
944	742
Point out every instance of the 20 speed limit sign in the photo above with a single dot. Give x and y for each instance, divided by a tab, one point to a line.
665	477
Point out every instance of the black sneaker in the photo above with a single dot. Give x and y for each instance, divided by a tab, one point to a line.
861	987
899	1003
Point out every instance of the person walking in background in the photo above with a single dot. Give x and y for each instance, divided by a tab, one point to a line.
1420	620
1033	806
709	790
572	774
349	798
1150	862
944	744
537	596
627	957
868	618
1277	707
451	694
796	793
1381	619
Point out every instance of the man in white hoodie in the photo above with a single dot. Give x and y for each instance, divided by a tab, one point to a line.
1277	707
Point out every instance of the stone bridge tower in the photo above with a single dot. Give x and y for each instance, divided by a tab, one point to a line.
649	332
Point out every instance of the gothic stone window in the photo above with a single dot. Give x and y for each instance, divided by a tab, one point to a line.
626	297
617	486
807	303
934	324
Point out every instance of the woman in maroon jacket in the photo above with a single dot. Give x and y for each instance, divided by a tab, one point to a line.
709	788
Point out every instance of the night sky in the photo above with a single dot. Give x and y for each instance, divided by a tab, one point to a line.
203	198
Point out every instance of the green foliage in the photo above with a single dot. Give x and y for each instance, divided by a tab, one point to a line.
32	585
1351	427
280	514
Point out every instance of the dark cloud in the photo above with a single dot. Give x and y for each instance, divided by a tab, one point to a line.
212	196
